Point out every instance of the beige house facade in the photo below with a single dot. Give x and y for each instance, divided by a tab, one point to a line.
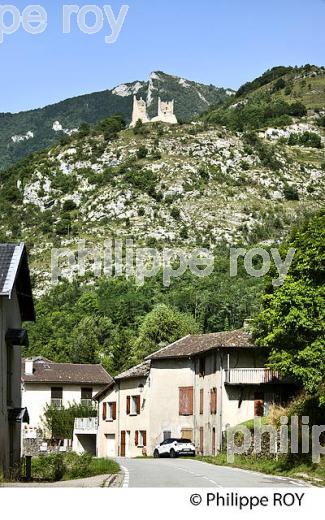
195	388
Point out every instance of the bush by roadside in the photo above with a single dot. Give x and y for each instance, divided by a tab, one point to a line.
313	473
70	466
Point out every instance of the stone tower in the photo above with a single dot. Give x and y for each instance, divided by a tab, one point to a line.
166	112
139	111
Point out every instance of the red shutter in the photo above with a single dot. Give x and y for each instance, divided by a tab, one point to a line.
144	438
128	401
104	411
114	411
136	438
138	400
201	401
186	400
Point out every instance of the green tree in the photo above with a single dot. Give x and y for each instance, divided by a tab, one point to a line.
162	326
291	322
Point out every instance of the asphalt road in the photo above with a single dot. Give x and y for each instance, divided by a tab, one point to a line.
182	473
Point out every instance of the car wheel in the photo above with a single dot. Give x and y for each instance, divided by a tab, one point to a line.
172	453
156	454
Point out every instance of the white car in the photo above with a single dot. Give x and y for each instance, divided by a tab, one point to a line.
174	448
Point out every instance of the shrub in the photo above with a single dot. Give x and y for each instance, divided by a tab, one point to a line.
307	139
290	193
48	467
69	205
142	152
175	213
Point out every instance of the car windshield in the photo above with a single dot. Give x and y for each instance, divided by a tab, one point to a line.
184	441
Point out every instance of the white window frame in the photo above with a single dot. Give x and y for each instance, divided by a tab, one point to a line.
133	405
109	412
140	439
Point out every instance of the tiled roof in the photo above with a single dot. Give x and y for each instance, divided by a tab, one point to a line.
47	372
9	258
14	272
137	371
192	345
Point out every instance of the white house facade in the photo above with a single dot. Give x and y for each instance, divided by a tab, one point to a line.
195	388
45	383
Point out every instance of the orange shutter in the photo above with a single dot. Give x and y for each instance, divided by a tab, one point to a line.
104	411
213	401
201	401
136	438
186	400
128	401
114	411
138	404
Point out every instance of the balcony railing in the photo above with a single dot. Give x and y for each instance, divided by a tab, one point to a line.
56	402
86	424
252	376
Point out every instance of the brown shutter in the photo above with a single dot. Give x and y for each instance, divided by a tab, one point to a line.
128	404
114	411
104	411
136	438
213	401
186	400
144	438
201	440
201	401
138	401
259	404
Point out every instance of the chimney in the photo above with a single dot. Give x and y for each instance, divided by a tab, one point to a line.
29	367
248	325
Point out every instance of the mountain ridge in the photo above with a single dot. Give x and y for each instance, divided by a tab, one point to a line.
29	131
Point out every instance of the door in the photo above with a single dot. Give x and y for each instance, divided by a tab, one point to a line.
123	434
127	444
213	441
110	445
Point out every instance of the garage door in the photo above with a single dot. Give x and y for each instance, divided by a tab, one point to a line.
110	444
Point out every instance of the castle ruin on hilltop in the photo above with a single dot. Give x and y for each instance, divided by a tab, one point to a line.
165	112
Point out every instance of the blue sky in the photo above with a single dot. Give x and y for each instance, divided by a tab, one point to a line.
224	42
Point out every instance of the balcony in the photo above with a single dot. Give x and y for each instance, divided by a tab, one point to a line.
86	425
58	403
253	376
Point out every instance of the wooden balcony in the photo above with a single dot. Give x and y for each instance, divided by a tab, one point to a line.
253	376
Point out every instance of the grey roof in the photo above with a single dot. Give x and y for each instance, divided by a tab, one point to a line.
200	343
46	371
14	272
141	370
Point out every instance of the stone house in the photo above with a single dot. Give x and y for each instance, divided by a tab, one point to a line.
194	388
16	306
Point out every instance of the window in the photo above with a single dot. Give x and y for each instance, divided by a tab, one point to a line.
57	396
201	401
133	405
186	400
109	411
140	438
86	396
213	401
202	367
167	434
187	434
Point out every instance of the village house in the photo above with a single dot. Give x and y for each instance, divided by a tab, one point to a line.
45	383
16	305
194	388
